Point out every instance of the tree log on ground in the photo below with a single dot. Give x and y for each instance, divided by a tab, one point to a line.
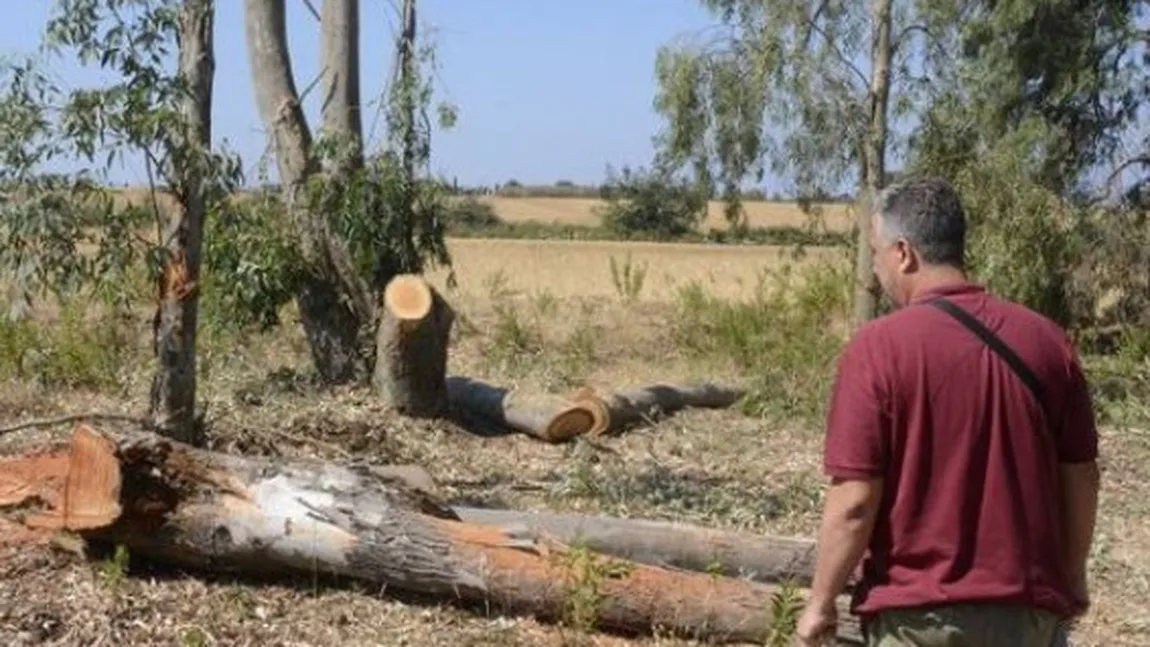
627	407
188	507
548	417
759	558
412	340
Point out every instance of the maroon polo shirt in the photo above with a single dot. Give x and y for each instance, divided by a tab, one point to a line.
971	508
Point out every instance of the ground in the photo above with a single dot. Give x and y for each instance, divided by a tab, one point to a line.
531	319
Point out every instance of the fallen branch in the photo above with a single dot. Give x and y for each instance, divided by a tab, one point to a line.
627	407
194	508
548	417
71	419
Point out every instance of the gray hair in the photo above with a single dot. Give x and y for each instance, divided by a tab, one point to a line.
929	215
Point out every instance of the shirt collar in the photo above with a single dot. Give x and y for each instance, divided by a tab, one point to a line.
953	289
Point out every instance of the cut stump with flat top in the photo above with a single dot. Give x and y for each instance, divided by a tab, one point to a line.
222	513
411	348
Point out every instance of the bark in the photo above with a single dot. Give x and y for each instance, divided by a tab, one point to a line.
759	558
339	41
406	55
172	404
411	347
192	508
548	417
867	289
332	327
628	407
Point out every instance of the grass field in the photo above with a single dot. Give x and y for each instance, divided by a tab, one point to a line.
584	211
537	315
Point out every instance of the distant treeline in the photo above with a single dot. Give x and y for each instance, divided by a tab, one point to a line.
567	189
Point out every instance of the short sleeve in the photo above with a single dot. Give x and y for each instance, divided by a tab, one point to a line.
1077	435
856	443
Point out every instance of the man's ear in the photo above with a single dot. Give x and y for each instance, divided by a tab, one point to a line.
907	259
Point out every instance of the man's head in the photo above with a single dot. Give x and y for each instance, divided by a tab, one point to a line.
918	235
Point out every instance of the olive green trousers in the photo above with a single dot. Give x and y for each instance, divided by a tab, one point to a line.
966	625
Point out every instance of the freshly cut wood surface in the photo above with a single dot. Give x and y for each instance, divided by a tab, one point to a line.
627	407
548	417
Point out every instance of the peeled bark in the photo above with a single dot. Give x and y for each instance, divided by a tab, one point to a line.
188	507
548	417
172	404
411	347
867	288
627	407
669	545
332	327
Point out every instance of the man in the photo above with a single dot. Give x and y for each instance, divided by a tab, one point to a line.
973	502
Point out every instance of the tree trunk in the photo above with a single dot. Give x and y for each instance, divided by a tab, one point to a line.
550	418
406	56
629	407
172	405
867	290
333	328
667	545
193	508
339	40
411	348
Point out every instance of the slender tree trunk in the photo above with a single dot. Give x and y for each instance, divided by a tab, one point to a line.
332	326
874	162
407	72
173	396
339	38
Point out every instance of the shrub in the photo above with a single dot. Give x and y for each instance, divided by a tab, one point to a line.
653	204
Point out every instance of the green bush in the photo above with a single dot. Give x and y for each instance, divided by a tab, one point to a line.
652	204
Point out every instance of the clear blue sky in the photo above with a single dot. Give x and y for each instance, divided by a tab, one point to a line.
543	95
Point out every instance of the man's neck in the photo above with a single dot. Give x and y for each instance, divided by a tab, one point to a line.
934	278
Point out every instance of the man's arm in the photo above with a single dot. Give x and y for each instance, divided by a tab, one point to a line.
1077	436
1079	511
848	519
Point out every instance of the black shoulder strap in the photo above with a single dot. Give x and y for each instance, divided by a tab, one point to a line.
998	346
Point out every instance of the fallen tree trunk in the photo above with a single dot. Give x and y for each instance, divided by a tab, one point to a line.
190	507
548	417
669	545
411	348
627	407
760	558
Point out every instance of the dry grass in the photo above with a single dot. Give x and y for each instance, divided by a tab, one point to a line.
583	269
534	315
584	211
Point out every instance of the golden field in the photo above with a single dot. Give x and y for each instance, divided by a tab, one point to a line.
584	211
583	268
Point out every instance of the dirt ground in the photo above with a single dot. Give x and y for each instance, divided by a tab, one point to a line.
719	468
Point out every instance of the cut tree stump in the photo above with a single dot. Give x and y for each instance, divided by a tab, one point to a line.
411	348
188	507
627	407
548	417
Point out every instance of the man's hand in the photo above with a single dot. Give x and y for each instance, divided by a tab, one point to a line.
817	625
